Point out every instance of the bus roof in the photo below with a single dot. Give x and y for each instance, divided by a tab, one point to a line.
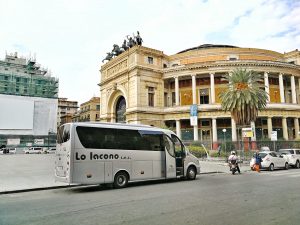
117	125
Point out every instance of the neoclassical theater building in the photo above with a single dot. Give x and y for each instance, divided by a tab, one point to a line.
145	86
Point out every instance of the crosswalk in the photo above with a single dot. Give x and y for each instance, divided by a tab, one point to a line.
286	173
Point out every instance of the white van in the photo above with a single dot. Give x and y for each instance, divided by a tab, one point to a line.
97	153
34	150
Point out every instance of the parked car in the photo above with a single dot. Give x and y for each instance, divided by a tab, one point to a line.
34	150
272	160
8	151
293	156
264	149
50	150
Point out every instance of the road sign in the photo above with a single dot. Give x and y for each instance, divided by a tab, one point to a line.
194	110
273	135
194	115
194	120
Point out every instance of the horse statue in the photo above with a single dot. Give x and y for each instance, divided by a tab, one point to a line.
138	39
108	56
131	42
124	45
116	50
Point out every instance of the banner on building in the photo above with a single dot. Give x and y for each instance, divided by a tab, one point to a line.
13	141
39	141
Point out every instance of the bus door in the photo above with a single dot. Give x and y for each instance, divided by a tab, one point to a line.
170	157
179	155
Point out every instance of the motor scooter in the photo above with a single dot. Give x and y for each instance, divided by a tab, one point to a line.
233	166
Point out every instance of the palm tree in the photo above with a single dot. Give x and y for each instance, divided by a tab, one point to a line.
243	96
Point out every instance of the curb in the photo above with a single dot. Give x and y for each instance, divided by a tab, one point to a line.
213	172
37	189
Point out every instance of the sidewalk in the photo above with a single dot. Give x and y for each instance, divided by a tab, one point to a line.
219	166
21	172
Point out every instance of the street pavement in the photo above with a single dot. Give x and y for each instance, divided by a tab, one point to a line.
268	198
23	172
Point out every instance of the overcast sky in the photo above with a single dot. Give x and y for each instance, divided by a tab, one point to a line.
71	37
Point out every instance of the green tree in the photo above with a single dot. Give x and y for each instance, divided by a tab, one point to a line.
244	95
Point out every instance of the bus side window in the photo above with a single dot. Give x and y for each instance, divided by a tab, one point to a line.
169	145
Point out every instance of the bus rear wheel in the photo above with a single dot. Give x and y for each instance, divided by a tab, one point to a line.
121	180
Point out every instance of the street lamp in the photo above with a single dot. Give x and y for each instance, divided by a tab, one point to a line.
224	131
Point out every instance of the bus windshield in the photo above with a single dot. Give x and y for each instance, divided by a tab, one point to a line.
63	134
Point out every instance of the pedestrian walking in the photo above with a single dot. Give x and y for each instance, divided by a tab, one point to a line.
258	160
219	150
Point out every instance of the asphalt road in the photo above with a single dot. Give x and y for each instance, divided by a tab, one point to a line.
250	198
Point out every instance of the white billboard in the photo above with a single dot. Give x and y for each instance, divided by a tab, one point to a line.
16	114
20	115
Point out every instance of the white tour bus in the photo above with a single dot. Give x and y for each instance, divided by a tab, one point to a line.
98	153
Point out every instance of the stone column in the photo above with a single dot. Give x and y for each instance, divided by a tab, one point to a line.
178	128
233	130
281	88
298	91
253	129
214	130
212	88
296	125
196	136
176	91
267	86
293	87
270	128
194	89
284	129
253	139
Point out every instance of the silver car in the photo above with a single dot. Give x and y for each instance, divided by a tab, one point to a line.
293	156
272	160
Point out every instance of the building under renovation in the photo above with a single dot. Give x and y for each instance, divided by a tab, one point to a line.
28	101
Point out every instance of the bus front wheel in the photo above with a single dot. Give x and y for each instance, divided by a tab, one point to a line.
121	180
191	173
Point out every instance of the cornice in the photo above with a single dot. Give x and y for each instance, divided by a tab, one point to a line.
237	63
207	108
128	70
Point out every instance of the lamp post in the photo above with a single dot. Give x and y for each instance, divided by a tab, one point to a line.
224	131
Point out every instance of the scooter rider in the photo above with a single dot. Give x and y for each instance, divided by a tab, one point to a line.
233	157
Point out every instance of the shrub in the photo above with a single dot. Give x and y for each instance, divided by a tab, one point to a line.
214	153
197	151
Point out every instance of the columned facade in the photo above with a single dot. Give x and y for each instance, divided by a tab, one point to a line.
159	90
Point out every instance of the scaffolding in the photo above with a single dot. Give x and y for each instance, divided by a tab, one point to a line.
25	77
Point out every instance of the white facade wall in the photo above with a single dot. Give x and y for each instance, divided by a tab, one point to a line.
20	115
